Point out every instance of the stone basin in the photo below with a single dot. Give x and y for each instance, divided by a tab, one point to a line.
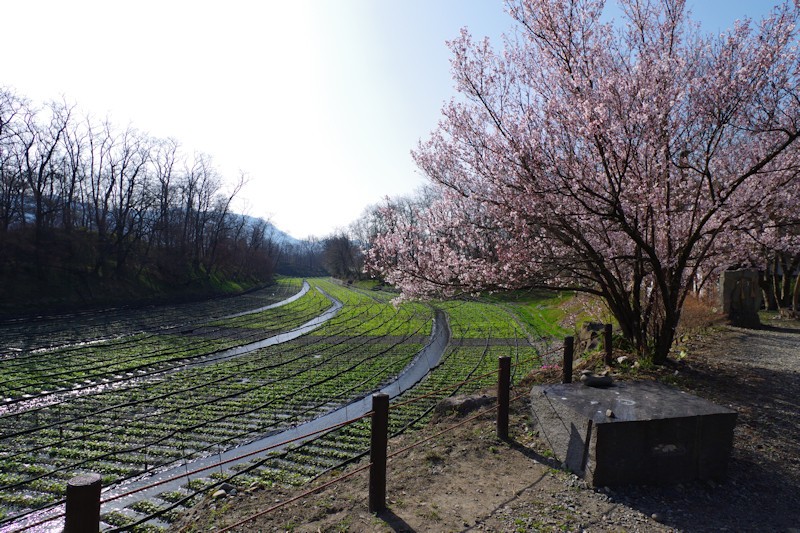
639	432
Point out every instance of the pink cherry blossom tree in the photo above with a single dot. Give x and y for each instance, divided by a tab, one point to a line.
621	160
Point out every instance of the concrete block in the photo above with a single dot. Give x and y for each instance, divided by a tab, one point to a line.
740	297
634	432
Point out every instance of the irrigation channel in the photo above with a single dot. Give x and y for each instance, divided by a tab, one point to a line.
414	372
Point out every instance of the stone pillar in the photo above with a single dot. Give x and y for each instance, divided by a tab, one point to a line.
740	297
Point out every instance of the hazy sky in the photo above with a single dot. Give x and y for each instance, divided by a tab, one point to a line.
319	102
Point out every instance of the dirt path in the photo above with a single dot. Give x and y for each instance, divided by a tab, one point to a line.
467	480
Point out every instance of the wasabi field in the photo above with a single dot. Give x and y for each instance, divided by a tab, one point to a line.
175	394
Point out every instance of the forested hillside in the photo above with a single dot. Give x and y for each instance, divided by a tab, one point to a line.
91	212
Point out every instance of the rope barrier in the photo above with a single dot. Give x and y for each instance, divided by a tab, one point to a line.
237	458
288	441
362	468
304	493
295	498
456	385
323	430
442	432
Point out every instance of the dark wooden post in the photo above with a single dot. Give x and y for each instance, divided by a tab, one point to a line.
377	452
607	344
569	351
83	504
503	395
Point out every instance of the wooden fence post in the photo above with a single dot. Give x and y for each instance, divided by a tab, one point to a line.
607	344
377	452
83	504
503	395
569	352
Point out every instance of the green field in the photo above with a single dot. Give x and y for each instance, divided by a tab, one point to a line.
170	386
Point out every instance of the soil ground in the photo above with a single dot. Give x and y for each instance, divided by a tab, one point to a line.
465	479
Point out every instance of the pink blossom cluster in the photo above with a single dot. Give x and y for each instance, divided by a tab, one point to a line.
623	161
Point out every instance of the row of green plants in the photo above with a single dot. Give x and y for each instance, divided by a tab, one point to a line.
381	323
84	364
163	419
48	332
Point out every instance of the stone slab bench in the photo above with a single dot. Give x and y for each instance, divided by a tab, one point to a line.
634	432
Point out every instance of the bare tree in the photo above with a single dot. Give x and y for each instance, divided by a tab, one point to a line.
164	159
342	258
11	185
220	220
39	147
120	197
76	146
129	198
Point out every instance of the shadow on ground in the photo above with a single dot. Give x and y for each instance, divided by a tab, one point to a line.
762	490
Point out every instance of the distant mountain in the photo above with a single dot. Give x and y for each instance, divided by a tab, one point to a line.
281	236
272	230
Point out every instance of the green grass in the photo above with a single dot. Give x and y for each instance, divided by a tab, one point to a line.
541	312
